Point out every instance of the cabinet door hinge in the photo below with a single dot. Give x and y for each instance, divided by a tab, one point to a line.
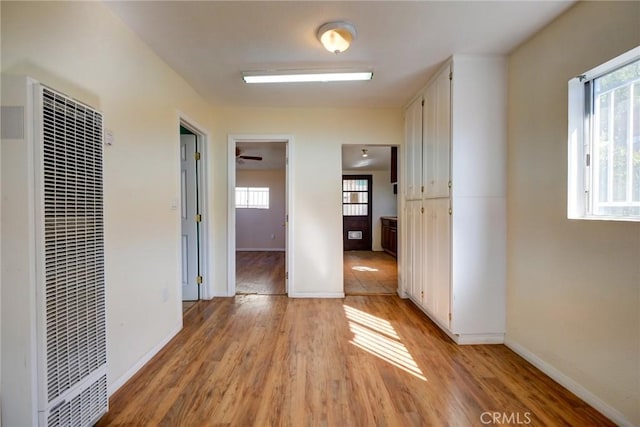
588	160
450	211
196	155
286	275
449	316
450	75
450	184
199	279
422	103
198	218
421	210
422	189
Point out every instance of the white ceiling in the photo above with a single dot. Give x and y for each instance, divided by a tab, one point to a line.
210	43
378	158
274	155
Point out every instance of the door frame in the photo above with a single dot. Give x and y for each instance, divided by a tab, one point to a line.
232	140
369	179
205	238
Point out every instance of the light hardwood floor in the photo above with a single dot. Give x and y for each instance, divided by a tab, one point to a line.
369	272
260	272
360	361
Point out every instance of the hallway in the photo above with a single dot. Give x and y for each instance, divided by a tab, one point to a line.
370	273
362	360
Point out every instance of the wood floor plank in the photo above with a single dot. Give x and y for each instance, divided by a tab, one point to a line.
369	273
360	361
260	272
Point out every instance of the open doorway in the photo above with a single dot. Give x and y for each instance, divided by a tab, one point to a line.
259	199
370	222
191	214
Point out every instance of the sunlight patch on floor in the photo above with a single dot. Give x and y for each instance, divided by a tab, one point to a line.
364	268
378	337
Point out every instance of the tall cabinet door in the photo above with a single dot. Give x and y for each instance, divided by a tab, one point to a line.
437	256
437	136
413	151
413	249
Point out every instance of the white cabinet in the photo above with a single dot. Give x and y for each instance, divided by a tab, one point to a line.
436	250
413	249
437	136
413	151
459	248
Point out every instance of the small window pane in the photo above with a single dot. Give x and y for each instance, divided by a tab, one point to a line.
616	142
252	197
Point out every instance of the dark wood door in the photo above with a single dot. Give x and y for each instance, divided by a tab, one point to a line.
356	212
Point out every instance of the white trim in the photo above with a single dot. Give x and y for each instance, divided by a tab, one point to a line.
206	249
462	339
580	190
232	140
477	339
316	295
115	385
261	250
569	383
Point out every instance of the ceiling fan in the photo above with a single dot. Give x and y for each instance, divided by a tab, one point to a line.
239	156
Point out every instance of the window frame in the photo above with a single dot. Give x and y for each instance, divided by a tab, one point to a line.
579	169
249	190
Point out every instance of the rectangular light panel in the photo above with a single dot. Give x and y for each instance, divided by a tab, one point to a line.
307	77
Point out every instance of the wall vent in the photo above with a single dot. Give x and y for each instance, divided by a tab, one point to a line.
12	122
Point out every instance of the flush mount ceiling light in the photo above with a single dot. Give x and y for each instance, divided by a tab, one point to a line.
336	36
365	152
306	76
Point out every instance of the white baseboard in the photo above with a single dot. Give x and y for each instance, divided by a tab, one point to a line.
475	339
570	384
316	295
260	250
462	339
114	386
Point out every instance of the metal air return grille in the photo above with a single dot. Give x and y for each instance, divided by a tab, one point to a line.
84	409
74	247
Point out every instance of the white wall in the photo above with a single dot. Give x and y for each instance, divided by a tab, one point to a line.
262	229
83	50
385	203
573	286
315	170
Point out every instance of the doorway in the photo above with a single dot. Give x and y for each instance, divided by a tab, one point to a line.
192	243
369	210
259	225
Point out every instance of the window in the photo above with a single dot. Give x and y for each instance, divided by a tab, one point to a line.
355	197
252	197
604	141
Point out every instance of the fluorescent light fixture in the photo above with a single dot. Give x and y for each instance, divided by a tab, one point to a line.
306	77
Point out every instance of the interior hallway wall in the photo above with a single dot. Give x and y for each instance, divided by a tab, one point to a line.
573	299
315	159
84	51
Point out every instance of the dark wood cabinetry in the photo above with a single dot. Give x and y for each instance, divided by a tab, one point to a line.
390	234
394	165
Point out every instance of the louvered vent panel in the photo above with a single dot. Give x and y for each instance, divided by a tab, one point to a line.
83	409
74	248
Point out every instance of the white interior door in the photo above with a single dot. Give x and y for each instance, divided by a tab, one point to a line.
189	212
